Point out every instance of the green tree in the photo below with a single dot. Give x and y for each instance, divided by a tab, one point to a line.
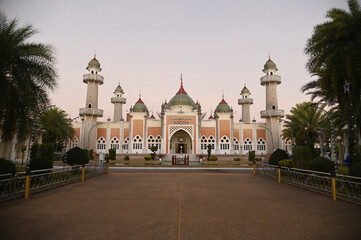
209	150
334	59
56	124
76	156
26	74
154	149
41	156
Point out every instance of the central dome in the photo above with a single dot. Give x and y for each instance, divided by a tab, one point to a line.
181	98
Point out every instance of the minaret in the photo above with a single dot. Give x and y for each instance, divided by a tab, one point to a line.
118	102
91	111
245	102
272	113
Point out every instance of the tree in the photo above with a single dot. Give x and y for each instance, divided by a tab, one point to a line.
153	149
209	150
76	156
42	156
27	72
334	59
56	124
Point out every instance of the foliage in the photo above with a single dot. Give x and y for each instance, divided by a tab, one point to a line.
334	60
212	158
277	156
356	151
237	159
302	155
258	159
126	158
209	150
355	170
27	72
342	170
112	154
252	156
76	156
286	163
321	164
42	156
147	158
7	166
153	149
91	154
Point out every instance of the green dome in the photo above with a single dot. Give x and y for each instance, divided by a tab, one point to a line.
223	107
270	65
139	106
245	91
94	63
181	98
119	89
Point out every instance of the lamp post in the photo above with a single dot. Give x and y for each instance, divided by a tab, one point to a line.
90	132
273	149
338	138
67	137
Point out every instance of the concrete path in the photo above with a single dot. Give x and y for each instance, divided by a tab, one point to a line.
204	204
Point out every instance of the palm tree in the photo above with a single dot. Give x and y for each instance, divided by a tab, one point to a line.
334	59
307	124
56	126
26	74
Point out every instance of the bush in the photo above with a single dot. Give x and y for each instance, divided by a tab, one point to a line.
258	159
355	170
342	170
277	156
91	156
212	158
286	163
321	164
302	156
147	158
41	156
76	156
126	158
112	154
236	159
7	166
40	163
252	156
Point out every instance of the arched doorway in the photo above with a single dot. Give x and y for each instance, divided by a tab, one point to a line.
181	142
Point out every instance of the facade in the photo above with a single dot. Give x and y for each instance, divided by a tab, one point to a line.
181	126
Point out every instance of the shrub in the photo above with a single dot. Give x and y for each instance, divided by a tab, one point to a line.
42	156
355	170
277	156
91	156
112	154
40	163
212	158
258	159
342	170
7	166
126	158
286	163
153	149
209	150
236	159
147	158
302	155
321	164
76	156
251	156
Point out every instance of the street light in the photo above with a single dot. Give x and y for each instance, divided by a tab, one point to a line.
89	133
273	148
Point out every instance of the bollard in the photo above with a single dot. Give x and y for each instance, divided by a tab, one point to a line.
27	182
83	173
333	185
254	167
279	175
107	166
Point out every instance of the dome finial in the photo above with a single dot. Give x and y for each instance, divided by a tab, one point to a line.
269	55
181	78
95	53
222	92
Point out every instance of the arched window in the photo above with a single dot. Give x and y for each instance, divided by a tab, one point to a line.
248	144
288	145
137	143
154	141
75	142
261	145
236	144
92	72
114	143
211	141
89	105
271	73
101	143
224	143
125	144
273	107
203	143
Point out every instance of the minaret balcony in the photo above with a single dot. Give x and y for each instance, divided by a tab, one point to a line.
118	100
91	112
242	101
272	113
270	79
93	78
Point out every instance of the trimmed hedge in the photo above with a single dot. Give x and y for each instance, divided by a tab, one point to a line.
126	158
212	158
236	159
321	164
302	156
147	158
251	156
7	166
76	156
355	170
277	156
112	154
286	163
41	156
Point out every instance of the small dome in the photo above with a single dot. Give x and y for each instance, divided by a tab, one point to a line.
270	65
245	91
119	89
181	98
139	106
223	107
94	63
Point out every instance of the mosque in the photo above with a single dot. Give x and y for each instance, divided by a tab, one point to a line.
181	126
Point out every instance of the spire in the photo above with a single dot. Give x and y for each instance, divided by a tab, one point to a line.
181	89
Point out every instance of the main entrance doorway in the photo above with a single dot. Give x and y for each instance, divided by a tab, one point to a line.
181	143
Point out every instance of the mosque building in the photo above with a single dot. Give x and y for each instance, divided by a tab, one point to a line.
181	126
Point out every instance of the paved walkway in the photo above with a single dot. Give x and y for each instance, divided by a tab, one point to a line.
204	204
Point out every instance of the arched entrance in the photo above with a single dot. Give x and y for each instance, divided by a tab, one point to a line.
181	142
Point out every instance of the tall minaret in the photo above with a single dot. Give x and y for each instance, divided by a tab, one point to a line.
91	111
272	113
118	102
246	102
